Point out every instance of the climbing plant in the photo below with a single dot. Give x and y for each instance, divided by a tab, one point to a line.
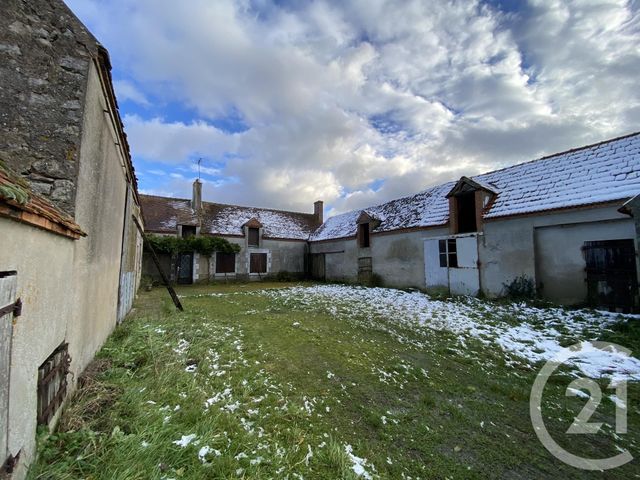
203	245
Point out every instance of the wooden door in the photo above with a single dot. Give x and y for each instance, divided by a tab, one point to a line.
8	287
185	268
612	281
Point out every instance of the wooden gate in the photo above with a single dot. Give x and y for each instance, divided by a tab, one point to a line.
9	307
185	268
612	281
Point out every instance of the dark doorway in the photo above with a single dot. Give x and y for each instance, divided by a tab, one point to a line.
466	204
185	268
612	282
317	266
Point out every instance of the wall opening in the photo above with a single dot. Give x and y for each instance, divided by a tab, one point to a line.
363	235
188	231
466	210
52	383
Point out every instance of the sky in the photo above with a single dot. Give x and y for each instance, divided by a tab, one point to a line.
358	102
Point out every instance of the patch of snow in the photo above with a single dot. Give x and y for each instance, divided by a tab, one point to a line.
185	440
530	334
358	464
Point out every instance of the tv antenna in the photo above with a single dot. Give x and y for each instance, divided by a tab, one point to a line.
199	162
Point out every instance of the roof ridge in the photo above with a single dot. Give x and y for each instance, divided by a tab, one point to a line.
229	205
565	152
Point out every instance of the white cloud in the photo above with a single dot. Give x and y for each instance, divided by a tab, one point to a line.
126	90
337	95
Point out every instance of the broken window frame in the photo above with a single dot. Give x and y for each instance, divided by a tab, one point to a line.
52	383
364	235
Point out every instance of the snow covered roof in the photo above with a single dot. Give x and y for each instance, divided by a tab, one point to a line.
429	207
163	215
607	171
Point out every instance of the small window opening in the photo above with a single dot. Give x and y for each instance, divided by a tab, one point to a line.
188	231
254	237
363	235
466	204
225	262
52	383
258	263
448	253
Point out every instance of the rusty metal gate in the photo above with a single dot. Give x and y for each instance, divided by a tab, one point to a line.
9	308
612	281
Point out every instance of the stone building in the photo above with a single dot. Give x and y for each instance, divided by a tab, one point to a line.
271	241
69	214
552	222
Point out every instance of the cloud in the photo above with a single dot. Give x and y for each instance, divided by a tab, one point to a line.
333	96
126	90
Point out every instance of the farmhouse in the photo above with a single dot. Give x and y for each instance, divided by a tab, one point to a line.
552	224
71	248
270	241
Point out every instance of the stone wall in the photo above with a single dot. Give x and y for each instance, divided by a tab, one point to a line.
45	54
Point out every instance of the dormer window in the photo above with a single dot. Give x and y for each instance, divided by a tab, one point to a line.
466	210
363	235
253	237
188	231
467	200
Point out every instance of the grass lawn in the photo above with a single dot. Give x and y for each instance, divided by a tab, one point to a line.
263	381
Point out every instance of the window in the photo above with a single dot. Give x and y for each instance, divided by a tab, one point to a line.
448	253
363	235
52	383
225	262
254	237
188	231
258	263
466	206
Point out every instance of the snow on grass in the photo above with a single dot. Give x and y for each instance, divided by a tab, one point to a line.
524	333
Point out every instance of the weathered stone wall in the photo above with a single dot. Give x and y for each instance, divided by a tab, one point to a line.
44	59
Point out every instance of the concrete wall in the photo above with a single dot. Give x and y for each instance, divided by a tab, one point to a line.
518	246
44	281
70	288
397	257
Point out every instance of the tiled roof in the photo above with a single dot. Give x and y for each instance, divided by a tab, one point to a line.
429	207
608	171
19	203
163	215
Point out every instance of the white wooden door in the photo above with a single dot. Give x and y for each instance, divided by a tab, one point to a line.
434	274
8	287
465	279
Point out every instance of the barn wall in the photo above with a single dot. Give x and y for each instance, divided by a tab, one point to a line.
560	265
508	249
45	263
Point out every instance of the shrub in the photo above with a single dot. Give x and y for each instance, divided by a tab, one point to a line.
203	245
521	287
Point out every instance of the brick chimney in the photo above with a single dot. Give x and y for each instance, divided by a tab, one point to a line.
318	211
196	199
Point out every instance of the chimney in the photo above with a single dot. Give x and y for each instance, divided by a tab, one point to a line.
196	199
318	211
